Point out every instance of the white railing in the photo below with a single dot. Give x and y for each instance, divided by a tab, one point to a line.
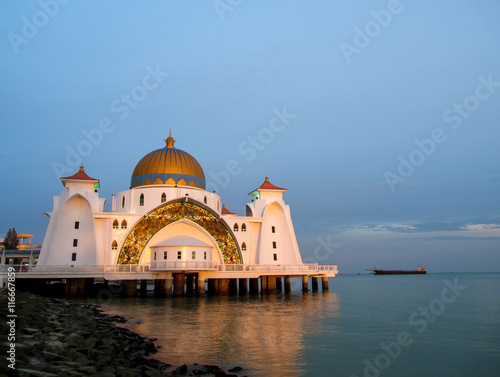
168	266
313	267
78	269
184	265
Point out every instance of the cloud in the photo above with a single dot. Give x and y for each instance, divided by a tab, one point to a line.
452	229
450	238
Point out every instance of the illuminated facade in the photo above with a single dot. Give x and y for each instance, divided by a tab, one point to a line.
167	220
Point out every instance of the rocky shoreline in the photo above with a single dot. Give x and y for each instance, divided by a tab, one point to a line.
55	337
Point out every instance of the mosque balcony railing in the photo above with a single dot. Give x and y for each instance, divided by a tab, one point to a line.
166	266
311	267
183	265
76	269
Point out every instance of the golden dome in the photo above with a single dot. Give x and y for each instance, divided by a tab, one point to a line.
168	166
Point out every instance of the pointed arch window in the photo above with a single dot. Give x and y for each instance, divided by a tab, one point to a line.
235	228
114	245
243	227
115	224
205	200
163	198
123	201
243	246
124	224
141	200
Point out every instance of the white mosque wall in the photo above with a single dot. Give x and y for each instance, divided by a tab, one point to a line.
71	237
100	235
152	198
277	244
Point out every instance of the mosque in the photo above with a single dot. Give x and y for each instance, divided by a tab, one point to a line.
168	228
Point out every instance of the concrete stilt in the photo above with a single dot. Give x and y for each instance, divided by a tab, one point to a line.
67	287
305	284
263	285
88	287
159	288
254	286
179	281
223	287
143	291
314	281
212	287
287	284
233	287
271	285
75	287
130	288
279	284
189	284
324	283
169	282
200	285
243	286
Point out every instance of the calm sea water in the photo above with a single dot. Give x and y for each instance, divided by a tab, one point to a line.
430	325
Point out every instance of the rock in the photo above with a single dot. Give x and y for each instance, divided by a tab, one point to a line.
54	346
235	369
33	373
88	370
183	369
90	343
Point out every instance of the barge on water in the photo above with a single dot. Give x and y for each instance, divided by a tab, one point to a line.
418	271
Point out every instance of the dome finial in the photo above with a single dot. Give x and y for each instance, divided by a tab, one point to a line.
267	179
169	140
82	169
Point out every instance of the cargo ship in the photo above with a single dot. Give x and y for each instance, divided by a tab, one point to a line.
418	271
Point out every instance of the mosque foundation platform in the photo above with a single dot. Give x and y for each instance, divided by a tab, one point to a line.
222	279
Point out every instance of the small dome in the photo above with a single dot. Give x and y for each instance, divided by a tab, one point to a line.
168	166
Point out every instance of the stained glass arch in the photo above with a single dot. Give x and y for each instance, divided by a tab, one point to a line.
170	212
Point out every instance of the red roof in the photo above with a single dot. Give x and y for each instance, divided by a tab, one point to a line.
81	176
268	186
226	212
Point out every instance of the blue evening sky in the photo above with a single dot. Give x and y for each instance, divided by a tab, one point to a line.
389	145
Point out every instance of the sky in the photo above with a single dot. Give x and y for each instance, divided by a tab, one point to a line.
381	118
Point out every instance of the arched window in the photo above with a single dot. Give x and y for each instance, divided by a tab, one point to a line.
123	202
115	224
217	206
235	228
243	246
163	198
205	200
114	245
124	224
141	200
243	227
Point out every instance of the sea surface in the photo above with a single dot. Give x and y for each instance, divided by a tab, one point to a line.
423	325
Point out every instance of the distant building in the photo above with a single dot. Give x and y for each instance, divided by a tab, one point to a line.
24	254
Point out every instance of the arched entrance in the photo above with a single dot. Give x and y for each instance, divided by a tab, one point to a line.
171	212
